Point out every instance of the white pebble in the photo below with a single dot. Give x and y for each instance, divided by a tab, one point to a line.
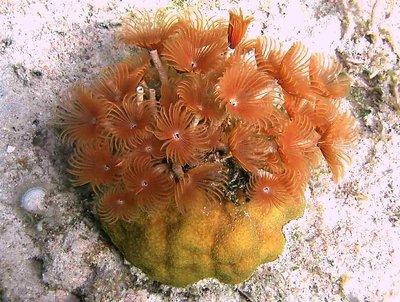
10	149
33	200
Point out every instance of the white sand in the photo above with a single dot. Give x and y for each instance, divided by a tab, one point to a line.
345	248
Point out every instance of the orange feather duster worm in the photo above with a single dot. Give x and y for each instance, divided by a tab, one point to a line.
94	164
117	203
118	81
269	190
247	93
268	54
336	141
203	184
297	144
150	184
237	27
149	32
127	123
248	147
327	78
149	147
204	116
293	73
183	140
198	45
81	115
197	94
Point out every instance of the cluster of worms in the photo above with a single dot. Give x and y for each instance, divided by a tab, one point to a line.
200	114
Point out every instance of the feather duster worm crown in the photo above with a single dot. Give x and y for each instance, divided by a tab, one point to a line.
201	119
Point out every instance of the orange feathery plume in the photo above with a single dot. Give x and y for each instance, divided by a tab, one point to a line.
216	137
324	114
269	190
95	164
169	93
198	46
294	71
151	184
297	144
147	148
242	53
82	116
205	183
237	27
269	54
296	106
273	162
295	183
147	31
248	93
217	71
136	61
327	78
128	122
197	94
249	148
118	81
337	139
116	204
273	121
183	141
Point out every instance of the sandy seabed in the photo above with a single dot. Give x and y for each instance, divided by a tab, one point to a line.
345	248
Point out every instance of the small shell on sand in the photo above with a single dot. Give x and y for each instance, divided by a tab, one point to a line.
33	200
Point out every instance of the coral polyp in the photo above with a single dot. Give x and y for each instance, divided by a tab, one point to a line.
200	145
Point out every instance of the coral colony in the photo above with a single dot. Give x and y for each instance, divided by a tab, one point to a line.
199	145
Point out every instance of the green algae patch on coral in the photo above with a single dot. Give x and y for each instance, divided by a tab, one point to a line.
224	241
